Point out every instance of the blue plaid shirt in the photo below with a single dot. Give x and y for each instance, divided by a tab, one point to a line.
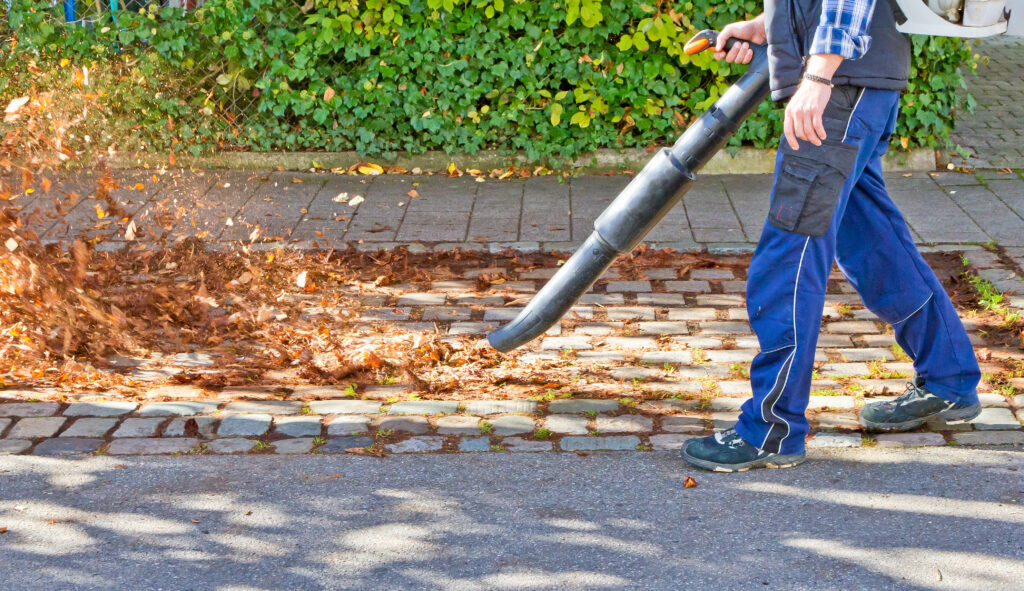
843	28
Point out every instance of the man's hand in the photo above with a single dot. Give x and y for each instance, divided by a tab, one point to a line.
805	109
752	30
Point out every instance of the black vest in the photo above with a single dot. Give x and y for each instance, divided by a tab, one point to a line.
790	25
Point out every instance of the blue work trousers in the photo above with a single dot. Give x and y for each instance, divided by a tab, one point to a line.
830	203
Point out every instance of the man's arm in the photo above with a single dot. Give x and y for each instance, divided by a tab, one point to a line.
842	33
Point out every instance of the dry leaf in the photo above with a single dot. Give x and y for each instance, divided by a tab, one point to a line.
413	193
689	482
11	244
329	94
3	530
356	200
100	213
301	279
14	106
129	232
370	169
340	197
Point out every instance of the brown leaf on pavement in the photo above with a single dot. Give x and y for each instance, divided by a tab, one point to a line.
689	482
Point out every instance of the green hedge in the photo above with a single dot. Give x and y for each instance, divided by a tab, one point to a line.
548	77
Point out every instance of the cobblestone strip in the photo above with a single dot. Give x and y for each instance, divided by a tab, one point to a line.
576	425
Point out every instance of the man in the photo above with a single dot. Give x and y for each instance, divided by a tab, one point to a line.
841	64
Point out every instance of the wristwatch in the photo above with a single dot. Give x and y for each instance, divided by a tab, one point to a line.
818	79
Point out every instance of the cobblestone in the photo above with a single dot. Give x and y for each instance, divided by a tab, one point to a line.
566	424
990	438
995	419
169	445
724	327
582	405
348	425
668	441
660	328
244	425
611	443
340	445
299	445
909	439
99	409
14	446
416	445
837	421
631	343
404	424
35	427
511	425
628	286
852	327
659	299
520	444
688	286
138	427
301	426
490	407
663	357
990	399
837	402
564	343
345	407
89	427
180	408
458	425
727	403
626	314
183	426
424	407
623	424
724	420
28	409
272	407
421	299
231	445
827	440
473	444
66	447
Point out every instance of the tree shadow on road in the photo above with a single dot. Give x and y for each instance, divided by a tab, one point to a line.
907	519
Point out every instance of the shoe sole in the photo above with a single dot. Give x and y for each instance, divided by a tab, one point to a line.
952	416
773	461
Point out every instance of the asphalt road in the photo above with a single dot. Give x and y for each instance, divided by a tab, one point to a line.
947	518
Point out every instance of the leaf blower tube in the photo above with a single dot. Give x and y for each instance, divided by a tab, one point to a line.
642	204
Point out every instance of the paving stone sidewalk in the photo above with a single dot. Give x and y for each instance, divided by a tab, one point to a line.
676	342
994	134
720	213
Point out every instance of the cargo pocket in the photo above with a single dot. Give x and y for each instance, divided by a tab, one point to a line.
809	185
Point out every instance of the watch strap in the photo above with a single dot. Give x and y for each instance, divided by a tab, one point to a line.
818	79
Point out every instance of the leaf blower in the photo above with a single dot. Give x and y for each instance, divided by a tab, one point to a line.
642	204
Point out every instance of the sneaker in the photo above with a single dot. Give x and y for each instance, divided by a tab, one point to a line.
915	407
725	451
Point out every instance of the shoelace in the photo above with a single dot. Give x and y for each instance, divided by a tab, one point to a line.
729	437
912	391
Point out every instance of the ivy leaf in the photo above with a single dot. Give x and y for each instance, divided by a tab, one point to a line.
556	113
640	41
580	118
625	43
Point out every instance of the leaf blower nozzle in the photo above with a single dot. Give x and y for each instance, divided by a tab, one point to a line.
644	202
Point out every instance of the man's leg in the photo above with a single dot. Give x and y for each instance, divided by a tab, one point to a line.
788	276
897	285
